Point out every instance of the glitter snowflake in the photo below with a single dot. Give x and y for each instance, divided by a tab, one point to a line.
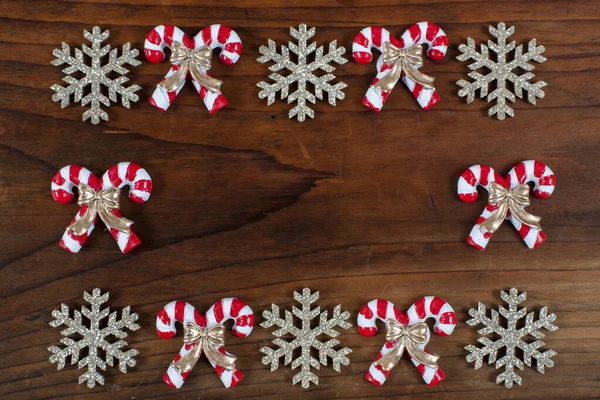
511	338
302	72
501	71
94	338
305	338
96	75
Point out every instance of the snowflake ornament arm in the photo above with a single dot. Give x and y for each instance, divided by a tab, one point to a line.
95	75
301	72
501	71
94	338
305	338
338	357
511	338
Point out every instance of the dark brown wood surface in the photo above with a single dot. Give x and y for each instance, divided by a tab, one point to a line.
247	203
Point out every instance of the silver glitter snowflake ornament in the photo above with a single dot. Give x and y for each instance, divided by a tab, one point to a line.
96	75
305	338
511	338
502	71
94	338
302	72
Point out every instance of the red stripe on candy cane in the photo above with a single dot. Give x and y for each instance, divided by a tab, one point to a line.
415	33
420	308
168	38
218	309
376	35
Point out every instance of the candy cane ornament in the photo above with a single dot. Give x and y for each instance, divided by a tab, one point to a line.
204	334
406	332
99	198
507	199
191	57
400	58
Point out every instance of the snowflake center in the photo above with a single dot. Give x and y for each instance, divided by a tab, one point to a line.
511	337
95	74
301	69
96	338
502	71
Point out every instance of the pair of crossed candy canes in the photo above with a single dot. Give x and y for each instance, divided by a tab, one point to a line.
374	37
224	310
213	36
120	175
426	307
525	172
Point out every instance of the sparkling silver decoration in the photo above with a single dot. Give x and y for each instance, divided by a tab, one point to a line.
305	338
511	338
94	338
302	72
95	75
501	71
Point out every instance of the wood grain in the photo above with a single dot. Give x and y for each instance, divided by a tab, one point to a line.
247	203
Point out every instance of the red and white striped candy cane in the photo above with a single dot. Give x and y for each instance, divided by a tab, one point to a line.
374	37
122	174
523	173
426	307
213	36
226	309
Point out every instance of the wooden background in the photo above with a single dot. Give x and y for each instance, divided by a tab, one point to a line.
247	203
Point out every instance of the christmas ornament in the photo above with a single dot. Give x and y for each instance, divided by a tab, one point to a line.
191	58
302	72
406	331
96	75
511	338
400	58
94	338
305	338
507	199
100	198
204	334
501	71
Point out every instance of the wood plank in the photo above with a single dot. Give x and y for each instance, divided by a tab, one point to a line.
247	203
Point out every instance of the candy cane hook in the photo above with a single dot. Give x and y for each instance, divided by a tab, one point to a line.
380	39
212	37
529	171
120	175
383	310
224	310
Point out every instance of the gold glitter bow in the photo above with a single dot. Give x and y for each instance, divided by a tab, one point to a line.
204	339
190	60
513	200
99	202
409	337
407	60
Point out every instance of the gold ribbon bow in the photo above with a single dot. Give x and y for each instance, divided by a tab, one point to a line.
409	337
513	200
207	340
407	60
193	61
99	202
